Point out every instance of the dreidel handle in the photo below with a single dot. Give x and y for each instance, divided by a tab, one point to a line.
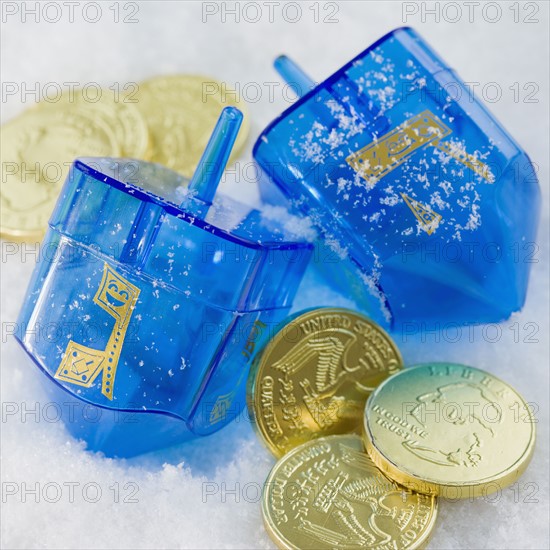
214	159
293	75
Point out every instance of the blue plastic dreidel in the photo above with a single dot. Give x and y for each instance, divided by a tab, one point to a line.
427	207
153	298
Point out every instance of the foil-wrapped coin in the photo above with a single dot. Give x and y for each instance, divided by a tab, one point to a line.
328	494
450	430
36	151
181	111
168	120
119	112
314	376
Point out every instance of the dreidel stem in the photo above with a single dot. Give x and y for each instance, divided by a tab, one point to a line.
293	75
214	159
301	83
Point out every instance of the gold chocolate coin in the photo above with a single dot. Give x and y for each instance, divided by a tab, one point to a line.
37	150
118	112
181	112
314	377
449	430
327	493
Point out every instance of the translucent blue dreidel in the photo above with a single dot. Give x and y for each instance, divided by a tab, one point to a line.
428	208
151	297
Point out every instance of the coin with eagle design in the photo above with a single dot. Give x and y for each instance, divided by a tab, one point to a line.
315	375
327	493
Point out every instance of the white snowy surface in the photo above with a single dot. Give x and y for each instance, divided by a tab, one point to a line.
172	510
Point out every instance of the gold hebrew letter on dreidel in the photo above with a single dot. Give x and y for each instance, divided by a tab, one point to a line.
80	364
429	220
386	153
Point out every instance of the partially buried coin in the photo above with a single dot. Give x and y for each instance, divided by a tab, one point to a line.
168	121
119	112
39	146
181	111
327	493
450	430
314	377
37	149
